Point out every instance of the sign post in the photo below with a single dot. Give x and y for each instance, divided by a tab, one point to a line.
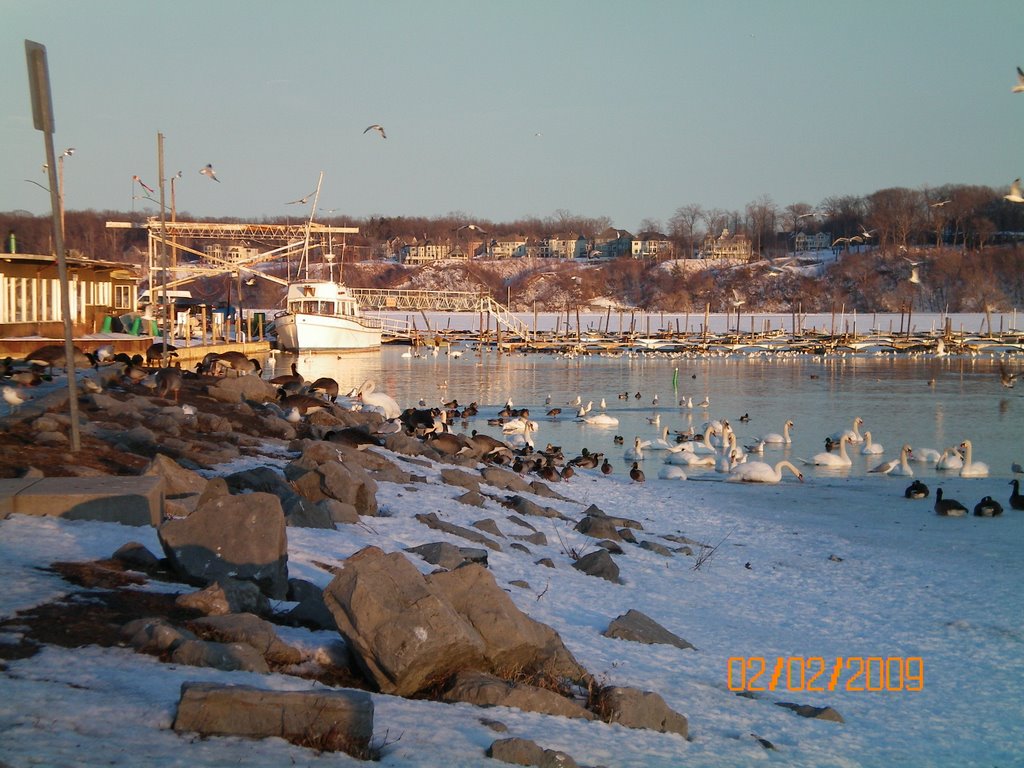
42	118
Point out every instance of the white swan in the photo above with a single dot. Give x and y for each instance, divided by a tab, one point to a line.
687	458
760	472
950	459
871	448
971	468
774	438
726	461
671	472
925	455
518	426
826	459
601	420
853	435
378	400
661	443
522	439
636	453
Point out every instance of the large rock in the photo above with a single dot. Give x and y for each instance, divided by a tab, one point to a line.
641	628
330	721
241	537
431	520
598	563
403	634
181	485
512	640
235	389
251	630
484	690
517	751
639	709
229	657
448	555
226	596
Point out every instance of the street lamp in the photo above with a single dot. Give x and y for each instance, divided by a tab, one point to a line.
60	180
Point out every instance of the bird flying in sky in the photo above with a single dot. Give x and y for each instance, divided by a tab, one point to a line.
1015	195
143	184
378	128
1019	87
302	200
209	172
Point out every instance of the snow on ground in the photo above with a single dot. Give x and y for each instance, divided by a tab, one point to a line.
829	568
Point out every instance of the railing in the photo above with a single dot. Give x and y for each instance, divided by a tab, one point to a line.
393	300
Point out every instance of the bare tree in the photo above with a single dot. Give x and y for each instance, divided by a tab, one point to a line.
762	214
683	226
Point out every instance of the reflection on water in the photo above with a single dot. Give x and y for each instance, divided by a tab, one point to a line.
895	397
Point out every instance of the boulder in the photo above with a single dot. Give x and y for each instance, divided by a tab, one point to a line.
460	478
235	389
249	629
484	690
135	555
431	520
448	555
505	479
226	596
349	483
640	628
401	632
339	511
819	713
526	752
329	721
241	537
524	506
655	547
639	709
229	657
154	635
598	563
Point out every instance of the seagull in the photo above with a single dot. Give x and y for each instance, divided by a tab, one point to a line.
1015	195
1019	87
736	300
143	184
302	200
867	234
848	240
471	226
13	399
378	128
1006	378
915	278
208	171
941	203
811	213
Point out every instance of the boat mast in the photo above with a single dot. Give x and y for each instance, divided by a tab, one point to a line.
309	226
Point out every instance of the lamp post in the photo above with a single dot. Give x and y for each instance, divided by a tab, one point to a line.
60	180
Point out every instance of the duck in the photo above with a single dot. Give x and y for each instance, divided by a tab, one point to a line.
948	507
827	459
870	447
606	467
988	507
916	490
553	413
762	472
774	438
1016	499
636	474
971	468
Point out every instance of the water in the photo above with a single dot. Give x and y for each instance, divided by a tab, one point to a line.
822	395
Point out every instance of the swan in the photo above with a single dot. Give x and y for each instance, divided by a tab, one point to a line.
826	459
950	459
774	438
519	425
671	472
378	400
761	472
601	420
661	443
853	435
522	439
926	455
636	453
871	448
687	458
971	468
727	461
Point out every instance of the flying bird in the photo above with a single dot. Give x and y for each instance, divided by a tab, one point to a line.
208	171
848	240
474	227
302	200
378	128
940	203
867	234
736	300
1019	87
915	278
1015	194
143	184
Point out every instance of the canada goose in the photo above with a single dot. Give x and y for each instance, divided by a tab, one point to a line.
948	507
52	356
1016	499
916	490
988	507
157	353
288	378
327	386
169	380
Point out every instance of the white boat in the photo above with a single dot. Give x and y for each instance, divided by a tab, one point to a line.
322	315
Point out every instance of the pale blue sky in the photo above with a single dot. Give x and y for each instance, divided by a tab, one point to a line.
641	107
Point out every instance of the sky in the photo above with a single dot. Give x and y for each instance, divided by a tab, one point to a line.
499	111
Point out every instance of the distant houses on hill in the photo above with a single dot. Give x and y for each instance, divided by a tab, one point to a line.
610	244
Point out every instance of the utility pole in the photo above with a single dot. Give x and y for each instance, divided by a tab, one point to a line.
42	118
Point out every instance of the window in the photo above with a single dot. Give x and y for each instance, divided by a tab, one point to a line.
122	297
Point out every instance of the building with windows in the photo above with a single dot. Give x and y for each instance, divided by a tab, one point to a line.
652	245
819	241
564	246
425	252
727	246
30	300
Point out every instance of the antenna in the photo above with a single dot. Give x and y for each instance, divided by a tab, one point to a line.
304	264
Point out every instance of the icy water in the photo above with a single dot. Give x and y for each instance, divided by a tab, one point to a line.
925	402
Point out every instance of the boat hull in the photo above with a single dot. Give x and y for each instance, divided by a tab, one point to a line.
301	332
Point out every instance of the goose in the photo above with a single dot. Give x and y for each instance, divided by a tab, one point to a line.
871	448
303	404
988	507
761	472
853	434
288	378
971	468
950	459
636	453
379	401
1016	499
52	356
231	360
601	420
774	438
1016	468
326	386
169	380
636	474
671	472
948	507
826	459
916	490
157	353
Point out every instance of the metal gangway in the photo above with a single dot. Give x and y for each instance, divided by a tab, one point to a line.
396	300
